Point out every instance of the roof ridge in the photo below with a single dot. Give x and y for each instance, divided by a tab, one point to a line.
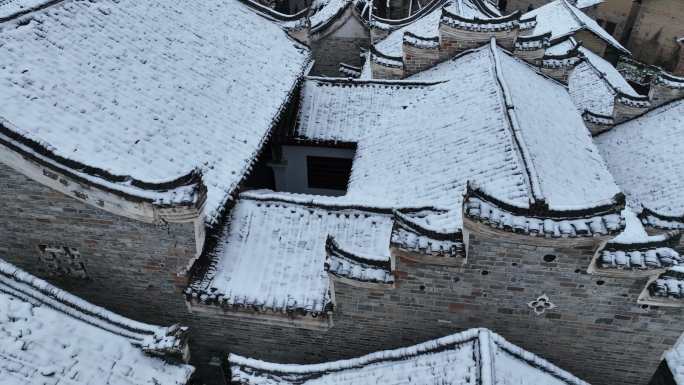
35	8
486	343
16	281
310	201
380	82
574	16
532	179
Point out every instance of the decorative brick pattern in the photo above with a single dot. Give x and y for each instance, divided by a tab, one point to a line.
62	260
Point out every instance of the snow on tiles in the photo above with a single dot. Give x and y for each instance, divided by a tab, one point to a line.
48	336
196	85
272	255
475	356
644	154
427	25
563	19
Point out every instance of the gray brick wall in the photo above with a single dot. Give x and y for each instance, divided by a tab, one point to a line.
598	332
331	51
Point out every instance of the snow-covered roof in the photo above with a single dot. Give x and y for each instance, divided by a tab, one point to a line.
594	84
149	90
581	4
475	356
669	286
635	250
50	336
418	143
563	19
326	11
427	26
272	254
645	156
394	123
14	8
675	361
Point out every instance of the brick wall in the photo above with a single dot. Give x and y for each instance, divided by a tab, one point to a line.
331	51
129	264
657	27
596	331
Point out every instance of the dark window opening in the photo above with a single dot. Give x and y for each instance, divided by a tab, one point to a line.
328	173
549	258
610	27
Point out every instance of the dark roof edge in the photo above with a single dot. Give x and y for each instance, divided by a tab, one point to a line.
35	290
543	211
317	370
646	212
24	12
273	13
379	82
40	154
276	198
332	247
402	220
484	340
398	23
670	239
515	16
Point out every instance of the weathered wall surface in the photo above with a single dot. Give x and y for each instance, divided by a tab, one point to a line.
117	252
613	11
657	27
596	329
343	45
523	5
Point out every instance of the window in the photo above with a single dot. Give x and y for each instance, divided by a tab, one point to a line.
328	173
63	261
610	27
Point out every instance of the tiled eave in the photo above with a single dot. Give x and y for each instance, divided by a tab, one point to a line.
179	200
168	342
637	259
539	220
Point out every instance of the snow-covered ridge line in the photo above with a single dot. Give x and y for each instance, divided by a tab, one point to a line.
390	24
186	190
502	23
656	219
11	10
154	339
273	14
324	202
514	126
544	211
420	41
381	82
406	222
534	360
343	263
485	348
541	221
533	42
386	355
379	261
669	239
